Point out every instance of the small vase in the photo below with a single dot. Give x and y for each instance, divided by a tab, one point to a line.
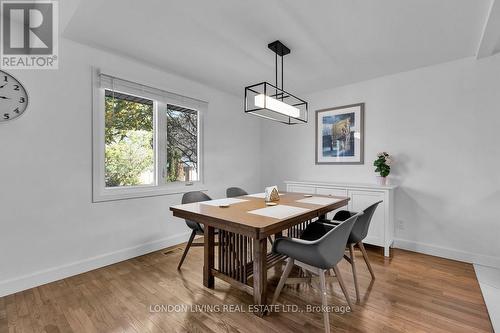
381	180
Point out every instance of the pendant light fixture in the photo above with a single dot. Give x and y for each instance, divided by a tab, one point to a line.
273	102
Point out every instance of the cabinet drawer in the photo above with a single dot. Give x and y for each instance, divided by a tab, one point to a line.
301	189
341	192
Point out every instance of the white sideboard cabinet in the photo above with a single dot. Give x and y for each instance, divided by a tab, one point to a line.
381	232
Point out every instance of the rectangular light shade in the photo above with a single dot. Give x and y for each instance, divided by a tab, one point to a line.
263	101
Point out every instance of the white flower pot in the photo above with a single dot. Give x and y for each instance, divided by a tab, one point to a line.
381	180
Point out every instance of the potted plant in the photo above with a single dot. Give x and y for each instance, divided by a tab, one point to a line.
383	167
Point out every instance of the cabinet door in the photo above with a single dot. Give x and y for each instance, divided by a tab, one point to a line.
362	199
340	192
301	189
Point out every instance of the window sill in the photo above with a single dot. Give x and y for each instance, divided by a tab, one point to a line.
113	194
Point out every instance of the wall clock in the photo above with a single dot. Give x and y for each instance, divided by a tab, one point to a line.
13	98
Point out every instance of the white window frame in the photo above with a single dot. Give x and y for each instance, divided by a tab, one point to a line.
99	190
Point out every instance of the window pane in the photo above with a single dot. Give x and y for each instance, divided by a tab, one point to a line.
129	157
181	145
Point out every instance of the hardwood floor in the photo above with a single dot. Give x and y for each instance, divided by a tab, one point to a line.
412	293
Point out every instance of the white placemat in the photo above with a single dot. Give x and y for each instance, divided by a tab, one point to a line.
225	201
279	212
318	201
259	195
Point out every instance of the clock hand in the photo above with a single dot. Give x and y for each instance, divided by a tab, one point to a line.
3	97
3	85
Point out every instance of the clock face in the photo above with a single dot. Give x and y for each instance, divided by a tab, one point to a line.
13	97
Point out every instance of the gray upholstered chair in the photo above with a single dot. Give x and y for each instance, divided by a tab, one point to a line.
316	256
232	192
197	229
358	233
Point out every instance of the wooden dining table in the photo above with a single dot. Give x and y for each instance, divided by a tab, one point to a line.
243	228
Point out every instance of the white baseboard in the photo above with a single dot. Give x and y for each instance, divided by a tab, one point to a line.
448	253
24	282
489	281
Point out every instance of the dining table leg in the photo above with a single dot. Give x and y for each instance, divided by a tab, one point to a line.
260	272
209	254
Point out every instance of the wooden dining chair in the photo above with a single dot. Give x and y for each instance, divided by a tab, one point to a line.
197	229
317	257
358	234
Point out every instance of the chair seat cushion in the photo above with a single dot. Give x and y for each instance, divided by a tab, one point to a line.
315	231
334	223
319	228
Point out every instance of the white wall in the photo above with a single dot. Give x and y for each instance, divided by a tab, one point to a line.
442	125
49	227
440	122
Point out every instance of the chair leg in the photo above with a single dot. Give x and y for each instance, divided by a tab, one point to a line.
284	276
301	271
342	286
270	240
188	245
365	256
354	274
324	302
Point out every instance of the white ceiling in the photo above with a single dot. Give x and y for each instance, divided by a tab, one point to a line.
223	43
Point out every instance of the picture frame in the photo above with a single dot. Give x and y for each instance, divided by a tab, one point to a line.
340	135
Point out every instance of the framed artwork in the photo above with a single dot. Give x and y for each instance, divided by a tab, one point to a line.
340	135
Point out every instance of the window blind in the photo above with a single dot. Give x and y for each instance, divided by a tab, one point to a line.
119	85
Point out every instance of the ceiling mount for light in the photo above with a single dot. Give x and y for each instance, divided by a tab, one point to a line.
272	102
